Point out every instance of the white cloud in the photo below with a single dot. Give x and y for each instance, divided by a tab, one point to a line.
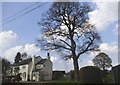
31	48
105	14
28	48
7	38
53	59
11	53
116	31
110	49
90	63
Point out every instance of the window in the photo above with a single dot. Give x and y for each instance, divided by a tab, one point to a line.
33	74
24	74
23	67
39	66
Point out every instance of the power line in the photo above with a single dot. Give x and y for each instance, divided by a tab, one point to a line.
19	12
24	13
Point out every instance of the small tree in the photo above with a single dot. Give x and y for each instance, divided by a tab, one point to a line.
17	59
102	61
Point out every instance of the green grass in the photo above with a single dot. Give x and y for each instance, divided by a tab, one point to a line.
65	81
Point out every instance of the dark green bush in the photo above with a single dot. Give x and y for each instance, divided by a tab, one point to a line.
72	75
116	73
108	79
90	74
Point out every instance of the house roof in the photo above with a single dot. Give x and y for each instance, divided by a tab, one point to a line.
24	62
42	61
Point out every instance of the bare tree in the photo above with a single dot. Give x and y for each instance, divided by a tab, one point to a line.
66	29
102	61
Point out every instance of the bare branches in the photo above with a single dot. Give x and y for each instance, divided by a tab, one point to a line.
65	43
66	29
65	26
91	43
60	46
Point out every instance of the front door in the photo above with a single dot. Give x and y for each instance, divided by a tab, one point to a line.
37	76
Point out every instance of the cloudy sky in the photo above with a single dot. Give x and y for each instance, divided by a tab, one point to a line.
21	33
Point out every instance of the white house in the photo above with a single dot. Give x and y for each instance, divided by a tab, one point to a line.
34	68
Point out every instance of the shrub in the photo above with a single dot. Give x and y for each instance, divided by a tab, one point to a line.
72	75
108	79
116	73
90	74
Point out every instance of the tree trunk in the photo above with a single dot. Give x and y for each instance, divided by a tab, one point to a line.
76	69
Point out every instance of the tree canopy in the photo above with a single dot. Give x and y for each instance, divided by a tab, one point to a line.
103	61
18	57
66	29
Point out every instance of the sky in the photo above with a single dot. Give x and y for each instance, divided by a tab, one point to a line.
21	34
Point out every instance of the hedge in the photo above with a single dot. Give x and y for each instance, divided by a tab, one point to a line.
90	74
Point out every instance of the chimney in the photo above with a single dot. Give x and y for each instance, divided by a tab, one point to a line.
33	59
48	55
32	67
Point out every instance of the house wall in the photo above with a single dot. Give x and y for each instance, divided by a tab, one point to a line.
28	69
13	73
24	72
47	70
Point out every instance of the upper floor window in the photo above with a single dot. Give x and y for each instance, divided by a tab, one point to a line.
39	66
23	67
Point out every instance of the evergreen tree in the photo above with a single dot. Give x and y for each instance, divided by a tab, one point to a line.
18	57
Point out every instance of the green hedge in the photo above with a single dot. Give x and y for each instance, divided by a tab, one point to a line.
90	74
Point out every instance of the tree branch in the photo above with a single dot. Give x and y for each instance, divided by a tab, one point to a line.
87	48
60	46
65	43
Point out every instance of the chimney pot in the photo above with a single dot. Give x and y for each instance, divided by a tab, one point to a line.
48	55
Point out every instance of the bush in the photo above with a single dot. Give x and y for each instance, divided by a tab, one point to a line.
108	79
72	75
90	74
116	73
107	76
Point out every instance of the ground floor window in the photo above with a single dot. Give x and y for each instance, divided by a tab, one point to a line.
24	75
